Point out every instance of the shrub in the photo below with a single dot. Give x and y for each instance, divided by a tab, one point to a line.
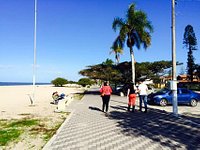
59	81
85	81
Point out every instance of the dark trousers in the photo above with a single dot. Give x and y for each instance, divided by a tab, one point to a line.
105	99
133	108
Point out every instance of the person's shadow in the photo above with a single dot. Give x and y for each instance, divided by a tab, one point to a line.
158	125
94	108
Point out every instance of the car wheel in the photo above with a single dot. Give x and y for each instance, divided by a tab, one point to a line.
193	102
163	102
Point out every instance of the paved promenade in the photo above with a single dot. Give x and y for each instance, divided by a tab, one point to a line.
87	128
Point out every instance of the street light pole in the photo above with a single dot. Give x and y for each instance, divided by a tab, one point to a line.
34	59
174	81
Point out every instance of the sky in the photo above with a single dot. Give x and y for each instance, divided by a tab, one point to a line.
73	34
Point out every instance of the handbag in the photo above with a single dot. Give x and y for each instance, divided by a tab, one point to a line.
102	94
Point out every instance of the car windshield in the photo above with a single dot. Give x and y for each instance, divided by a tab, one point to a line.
163	91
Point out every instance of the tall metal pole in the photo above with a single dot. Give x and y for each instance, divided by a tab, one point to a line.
174	81
34	61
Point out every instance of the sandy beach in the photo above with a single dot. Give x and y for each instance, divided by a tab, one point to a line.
15	100
15	104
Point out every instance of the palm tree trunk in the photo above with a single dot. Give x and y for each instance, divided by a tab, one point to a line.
133	65
116	59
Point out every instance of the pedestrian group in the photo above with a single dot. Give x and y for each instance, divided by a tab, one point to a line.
132	92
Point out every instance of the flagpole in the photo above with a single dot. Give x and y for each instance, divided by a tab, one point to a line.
34	61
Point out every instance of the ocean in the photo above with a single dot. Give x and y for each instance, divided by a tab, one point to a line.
20	83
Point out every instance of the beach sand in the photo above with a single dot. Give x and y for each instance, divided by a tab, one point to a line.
15	100
15	104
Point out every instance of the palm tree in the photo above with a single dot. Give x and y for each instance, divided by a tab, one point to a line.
135	30
117	49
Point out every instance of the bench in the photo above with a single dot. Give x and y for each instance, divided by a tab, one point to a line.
63	103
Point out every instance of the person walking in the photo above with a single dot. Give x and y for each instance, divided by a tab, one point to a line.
131	96
105	91
143	89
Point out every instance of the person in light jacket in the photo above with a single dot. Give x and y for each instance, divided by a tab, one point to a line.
143	90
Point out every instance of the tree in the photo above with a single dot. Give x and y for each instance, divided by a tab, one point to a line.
59	81
85	81
135	30
190	43
117	49
197	68
121	73
104	71
125	72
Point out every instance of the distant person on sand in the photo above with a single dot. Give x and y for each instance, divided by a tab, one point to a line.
105	91
143	89
131	96
56	97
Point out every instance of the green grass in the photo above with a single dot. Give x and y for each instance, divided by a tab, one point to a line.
24	123
10	130
49	133
78	96
3	122
7	135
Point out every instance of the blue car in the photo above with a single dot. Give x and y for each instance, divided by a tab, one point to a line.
164	97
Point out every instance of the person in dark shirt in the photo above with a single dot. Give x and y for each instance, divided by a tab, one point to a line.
131	96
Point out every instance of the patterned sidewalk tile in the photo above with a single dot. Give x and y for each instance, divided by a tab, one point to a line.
90	129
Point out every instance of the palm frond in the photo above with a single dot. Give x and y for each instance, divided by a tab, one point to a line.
118	45
131	11
119	42
146	39
117	48
123	32
149	26
136	38
117	23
